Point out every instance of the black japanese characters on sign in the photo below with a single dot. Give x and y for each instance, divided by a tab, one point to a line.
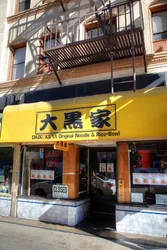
73	120
49	120
61	145
100	118
77	123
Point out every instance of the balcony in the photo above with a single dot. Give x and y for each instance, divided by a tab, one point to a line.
111	33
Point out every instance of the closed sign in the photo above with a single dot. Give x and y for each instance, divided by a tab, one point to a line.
60	191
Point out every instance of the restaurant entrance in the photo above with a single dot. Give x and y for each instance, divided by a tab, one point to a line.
103	189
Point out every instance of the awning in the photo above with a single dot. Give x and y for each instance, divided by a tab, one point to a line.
125	116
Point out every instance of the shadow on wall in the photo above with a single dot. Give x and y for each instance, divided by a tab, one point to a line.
29	28
27	31
56	214
31	67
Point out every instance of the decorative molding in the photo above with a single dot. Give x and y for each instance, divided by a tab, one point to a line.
157	58
68	76
35	10
22	14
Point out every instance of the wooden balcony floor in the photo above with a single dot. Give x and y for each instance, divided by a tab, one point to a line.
96	50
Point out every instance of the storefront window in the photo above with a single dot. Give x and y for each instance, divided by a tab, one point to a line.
6	168
149	172
42	170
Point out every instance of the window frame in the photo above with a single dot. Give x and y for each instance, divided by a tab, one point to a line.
9	175
161	44
157	9
11	61
158	33
17	5
146	189
27	191
95	24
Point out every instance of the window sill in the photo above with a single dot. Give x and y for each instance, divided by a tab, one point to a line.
161	40
16	16
160	46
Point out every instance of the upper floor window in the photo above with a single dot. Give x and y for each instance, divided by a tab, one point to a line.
93	28
18	63
51	41
94	32
24	5
159	23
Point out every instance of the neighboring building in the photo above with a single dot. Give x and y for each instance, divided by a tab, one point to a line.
3	31
84	83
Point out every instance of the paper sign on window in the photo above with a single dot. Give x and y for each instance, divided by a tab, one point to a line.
102	167
149	179
42	174
110	167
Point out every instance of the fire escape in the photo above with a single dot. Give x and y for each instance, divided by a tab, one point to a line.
29	24
120	35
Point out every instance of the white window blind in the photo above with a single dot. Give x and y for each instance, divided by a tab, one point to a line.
159	21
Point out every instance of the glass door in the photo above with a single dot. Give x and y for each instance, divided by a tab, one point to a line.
103	181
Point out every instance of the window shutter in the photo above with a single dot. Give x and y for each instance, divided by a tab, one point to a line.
159	21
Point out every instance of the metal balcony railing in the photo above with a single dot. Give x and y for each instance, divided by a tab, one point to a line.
116	30
113	32
82	28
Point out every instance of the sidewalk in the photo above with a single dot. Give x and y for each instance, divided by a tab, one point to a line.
153	242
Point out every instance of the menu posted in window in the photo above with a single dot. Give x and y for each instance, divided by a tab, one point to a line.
42	175
149	179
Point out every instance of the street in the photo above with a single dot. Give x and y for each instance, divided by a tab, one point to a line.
21	237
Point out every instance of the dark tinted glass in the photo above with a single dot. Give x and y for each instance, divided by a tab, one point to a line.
24	5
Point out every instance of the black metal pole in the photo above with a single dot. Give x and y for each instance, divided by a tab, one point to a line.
111	49
112	82
132	46
144	52
55	71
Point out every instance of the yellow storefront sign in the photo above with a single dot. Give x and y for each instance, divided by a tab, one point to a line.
78	120
61	145
125	116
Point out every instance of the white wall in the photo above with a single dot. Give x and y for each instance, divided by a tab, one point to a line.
54	211
141	220
5	205
6	9
32	31
3	15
